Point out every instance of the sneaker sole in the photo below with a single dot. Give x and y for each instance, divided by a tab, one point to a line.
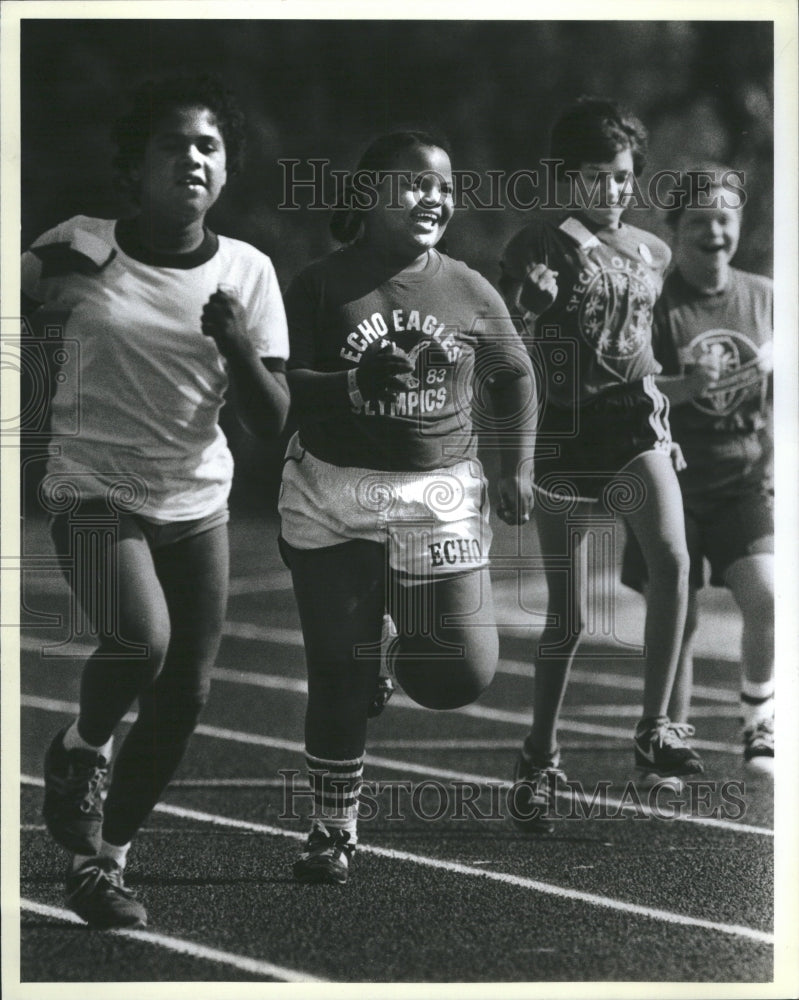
111	924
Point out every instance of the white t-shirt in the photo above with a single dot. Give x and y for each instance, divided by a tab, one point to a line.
143	406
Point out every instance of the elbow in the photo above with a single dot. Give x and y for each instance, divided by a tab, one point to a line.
267	421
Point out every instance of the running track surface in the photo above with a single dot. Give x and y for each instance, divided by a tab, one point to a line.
443	888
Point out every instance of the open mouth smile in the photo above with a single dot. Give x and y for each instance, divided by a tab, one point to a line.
427	219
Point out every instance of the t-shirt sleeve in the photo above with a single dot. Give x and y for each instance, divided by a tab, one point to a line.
499	345
31	265
301	310
663	346
267	316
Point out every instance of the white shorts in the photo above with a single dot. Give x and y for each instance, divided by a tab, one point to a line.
433	523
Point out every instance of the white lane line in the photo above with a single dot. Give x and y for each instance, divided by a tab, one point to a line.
627	711
597	677
280	636
518	881
279	682
253	966
271	583
586	728
392	764
400	700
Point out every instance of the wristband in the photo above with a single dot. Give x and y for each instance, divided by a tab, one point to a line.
353	391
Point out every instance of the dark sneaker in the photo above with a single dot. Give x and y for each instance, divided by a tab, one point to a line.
98	894
385	684
663	755
532	796
326	857
73	796
383	692
759	746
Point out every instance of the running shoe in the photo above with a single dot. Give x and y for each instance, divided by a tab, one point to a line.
759	746
326	858
73	796
97	892
532	796
385	686
662	754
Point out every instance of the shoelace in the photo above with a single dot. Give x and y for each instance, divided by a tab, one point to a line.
336	843
762	734
77	780
673	734
92	875
548	773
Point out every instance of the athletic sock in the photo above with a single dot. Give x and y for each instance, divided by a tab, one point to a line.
74	741
756	707
336	785
531	753
650	722
119	852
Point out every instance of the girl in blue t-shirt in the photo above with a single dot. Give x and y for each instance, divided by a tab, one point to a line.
395	348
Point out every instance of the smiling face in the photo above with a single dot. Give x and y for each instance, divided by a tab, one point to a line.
184	166
415	204
706	241
602	190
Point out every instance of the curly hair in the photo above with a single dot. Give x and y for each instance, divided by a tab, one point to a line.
594	130
156	98
346	219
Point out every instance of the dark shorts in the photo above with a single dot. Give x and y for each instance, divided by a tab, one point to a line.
731	529
579	454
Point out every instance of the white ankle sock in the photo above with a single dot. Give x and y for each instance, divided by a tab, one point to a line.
74	741
752	714
759	690
119	852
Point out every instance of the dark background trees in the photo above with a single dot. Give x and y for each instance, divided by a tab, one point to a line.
323	89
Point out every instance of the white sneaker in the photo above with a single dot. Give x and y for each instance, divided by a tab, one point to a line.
759	746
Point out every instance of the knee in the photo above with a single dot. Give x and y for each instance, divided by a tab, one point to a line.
444	685
144	647
670	567
447	682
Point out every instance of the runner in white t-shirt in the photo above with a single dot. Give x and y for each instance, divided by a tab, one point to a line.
165	316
